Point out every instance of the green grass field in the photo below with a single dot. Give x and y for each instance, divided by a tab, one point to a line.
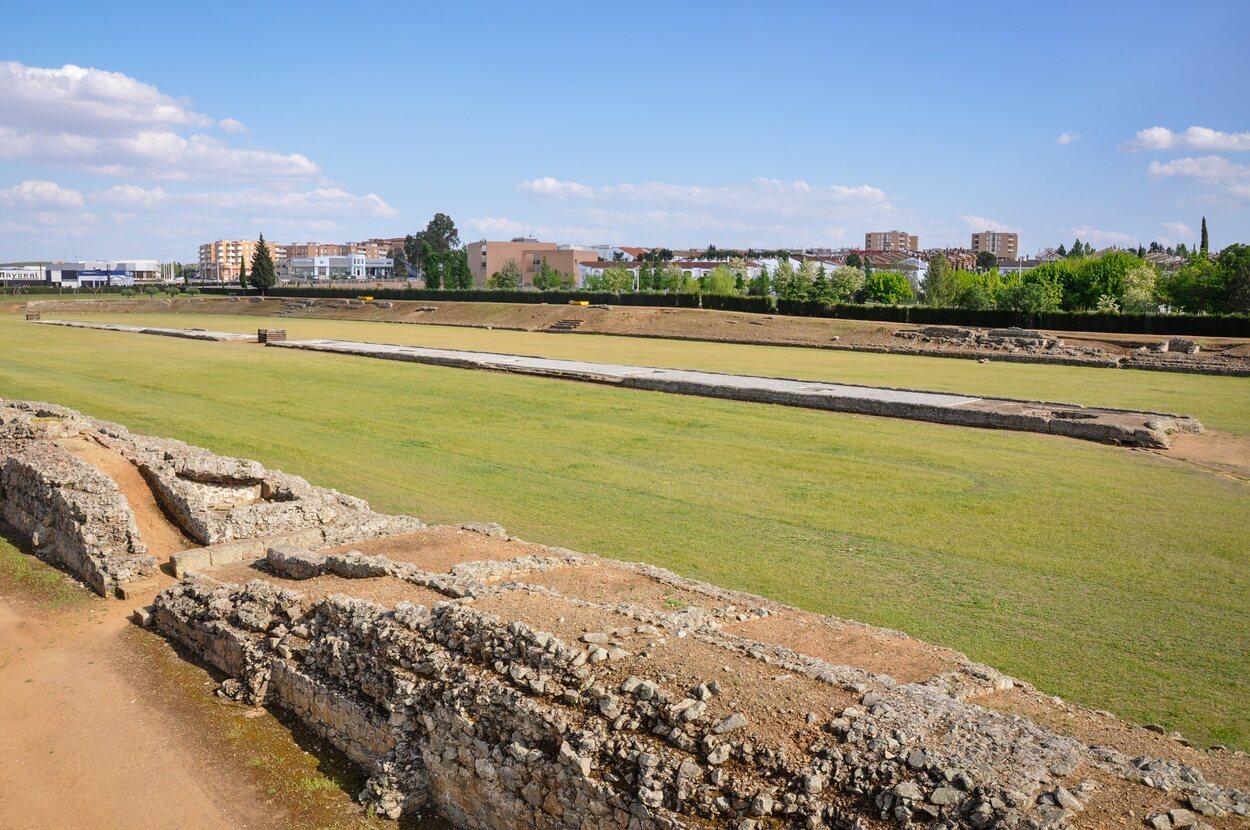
1115	578
1220	403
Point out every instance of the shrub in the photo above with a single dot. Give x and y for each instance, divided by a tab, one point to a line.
127	292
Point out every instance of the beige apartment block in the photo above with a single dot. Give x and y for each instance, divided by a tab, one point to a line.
485	258
564	259
222	259
999	243
891	241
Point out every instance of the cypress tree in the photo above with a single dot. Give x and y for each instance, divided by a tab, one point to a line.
1205	241
263	275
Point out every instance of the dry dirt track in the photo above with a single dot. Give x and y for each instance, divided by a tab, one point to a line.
102	725
81	743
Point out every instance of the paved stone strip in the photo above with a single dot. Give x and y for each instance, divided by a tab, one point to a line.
188	334
1145	429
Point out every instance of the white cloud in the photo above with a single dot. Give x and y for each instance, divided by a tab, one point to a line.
1067	138
65	99
1216	172
1194	138
111	124
1179	230
1101	238
158	155
37	193
556	189
761	212
977	224
321	201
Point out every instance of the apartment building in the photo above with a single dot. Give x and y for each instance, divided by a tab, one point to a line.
999	243
303	250
221	260
485	258
891	241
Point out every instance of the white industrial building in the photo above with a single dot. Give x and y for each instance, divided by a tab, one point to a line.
84	273
350	267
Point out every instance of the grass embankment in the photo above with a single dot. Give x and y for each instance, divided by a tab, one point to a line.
1220	403
1115	578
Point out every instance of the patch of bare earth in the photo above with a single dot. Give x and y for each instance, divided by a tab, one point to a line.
439	548
1216	451
845	644
162	536
616	586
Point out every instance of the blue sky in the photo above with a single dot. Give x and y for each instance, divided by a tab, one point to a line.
728	123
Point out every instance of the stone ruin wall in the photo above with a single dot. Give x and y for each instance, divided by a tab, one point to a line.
74	515
496	724
493	723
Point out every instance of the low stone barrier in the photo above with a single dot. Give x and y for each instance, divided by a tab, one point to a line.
73	514
1105	425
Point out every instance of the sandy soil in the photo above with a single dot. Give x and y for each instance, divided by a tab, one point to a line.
1213	450
78	748
103	726
162	536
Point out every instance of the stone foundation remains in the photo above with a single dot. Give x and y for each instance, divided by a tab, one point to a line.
503	684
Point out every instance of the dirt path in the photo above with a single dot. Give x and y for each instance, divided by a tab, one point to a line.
102	725
78	748
162	537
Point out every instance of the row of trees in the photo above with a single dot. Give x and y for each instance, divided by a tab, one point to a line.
1115	281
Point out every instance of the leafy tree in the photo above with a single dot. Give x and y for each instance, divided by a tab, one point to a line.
845	283
792	283
1050	276
442	237
617	280
820	285
549	279
975	297
720	280
853	260
671	279
263	276
941	283
1029	297
456	271
887	287
507	278
646	277
1204	245
1195	287
1234	270
1181	250
412	251
431	264
761	285
400	261
986	260
1139	294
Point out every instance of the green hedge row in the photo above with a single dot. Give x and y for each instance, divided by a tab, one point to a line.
1213	325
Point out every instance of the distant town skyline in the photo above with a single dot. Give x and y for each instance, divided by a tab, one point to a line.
721	124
